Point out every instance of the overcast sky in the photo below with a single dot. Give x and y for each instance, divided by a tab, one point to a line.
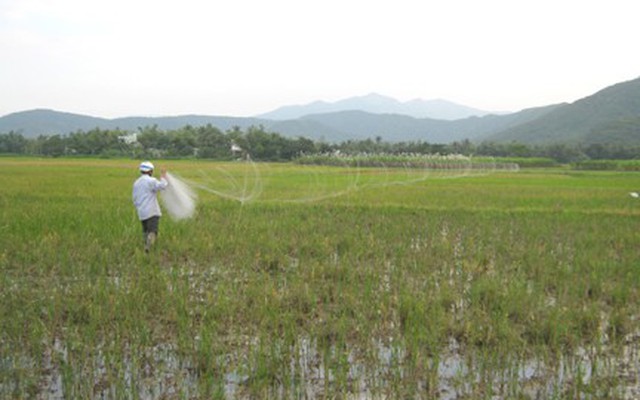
120	58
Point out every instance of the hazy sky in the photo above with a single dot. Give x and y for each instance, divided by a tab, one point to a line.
244	57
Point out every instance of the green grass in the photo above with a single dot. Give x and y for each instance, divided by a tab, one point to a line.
322	279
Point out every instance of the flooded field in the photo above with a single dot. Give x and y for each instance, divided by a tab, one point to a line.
163	374
509	284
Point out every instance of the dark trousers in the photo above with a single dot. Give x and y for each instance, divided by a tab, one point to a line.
151	225
150	231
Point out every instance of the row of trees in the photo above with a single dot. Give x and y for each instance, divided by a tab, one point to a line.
199	142
211	143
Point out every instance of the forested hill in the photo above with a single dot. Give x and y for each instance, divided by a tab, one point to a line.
610	116
38	122
331	127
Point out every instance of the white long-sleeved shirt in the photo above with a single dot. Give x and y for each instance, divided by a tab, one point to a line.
145	196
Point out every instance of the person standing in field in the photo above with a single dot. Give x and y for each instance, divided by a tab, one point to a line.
145	199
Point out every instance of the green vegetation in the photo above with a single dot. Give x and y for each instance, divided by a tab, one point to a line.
609	165
320	284
209	142
415	161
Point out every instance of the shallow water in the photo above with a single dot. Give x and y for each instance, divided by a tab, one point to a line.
163	374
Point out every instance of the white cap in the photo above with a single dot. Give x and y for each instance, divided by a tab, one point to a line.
146	166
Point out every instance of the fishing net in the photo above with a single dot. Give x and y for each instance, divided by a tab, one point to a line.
178	198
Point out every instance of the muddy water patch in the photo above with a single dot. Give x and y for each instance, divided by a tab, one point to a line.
164	371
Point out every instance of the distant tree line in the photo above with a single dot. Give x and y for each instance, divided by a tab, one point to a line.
209	142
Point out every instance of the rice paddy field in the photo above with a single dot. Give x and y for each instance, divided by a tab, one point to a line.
329	282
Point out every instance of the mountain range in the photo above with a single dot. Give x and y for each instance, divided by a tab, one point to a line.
609	116
375	103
